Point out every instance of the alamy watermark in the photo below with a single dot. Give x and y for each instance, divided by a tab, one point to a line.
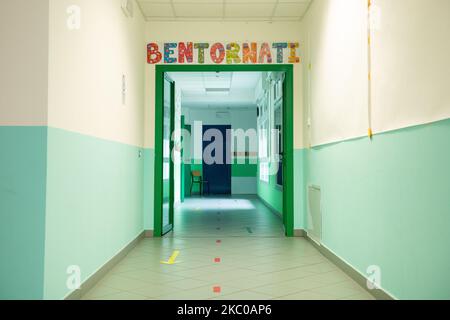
73	281
74	17
373	277
242	146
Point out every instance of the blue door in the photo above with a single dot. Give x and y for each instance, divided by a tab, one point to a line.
217	159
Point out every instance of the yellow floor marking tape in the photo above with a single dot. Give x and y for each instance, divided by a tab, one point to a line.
172	258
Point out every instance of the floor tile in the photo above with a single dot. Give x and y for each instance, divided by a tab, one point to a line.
121	283
257	266
186	284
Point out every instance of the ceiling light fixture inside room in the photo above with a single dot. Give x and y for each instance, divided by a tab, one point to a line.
217	91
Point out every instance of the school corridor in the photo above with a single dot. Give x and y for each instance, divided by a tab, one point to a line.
224	150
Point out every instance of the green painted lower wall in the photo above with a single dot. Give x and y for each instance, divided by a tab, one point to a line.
386	202
94	204
148	196
244	170
271	194
187	180
237	171
23	157
300	189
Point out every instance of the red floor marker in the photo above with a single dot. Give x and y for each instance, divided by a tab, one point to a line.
217	260
219	241
217	289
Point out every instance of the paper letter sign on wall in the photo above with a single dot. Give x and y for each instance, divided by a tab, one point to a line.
223	53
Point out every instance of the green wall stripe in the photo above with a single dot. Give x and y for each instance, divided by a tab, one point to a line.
244	170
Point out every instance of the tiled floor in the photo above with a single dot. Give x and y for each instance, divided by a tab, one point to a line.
256	260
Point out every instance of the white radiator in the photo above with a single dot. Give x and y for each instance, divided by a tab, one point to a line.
314	227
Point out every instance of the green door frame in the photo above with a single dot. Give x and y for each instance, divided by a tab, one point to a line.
169	227
288	121
182	168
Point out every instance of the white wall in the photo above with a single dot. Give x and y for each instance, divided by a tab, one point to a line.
335	37
85	73
24	62
374	192
410	66
222	31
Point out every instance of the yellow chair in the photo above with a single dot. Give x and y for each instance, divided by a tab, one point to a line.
197	178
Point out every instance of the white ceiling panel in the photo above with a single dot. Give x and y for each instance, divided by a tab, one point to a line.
291	9
154	1
230	89
249	10
295	1
157	10
206	10
217	10
196	2
253	2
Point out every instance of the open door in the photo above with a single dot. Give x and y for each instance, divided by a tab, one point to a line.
168	164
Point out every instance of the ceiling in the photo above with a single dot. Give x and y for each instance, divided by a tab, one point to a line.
233	10
217	90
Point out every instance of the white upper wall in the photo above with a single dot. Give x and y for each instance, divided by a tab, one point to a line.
410	66
24	62
86	69
411	63
223	31
336	87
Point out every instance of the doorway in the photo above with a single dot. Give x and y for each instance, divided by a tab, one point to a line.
285	119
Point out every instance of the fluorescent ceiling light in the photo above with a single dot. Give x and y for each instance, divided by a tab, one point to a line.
217	90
